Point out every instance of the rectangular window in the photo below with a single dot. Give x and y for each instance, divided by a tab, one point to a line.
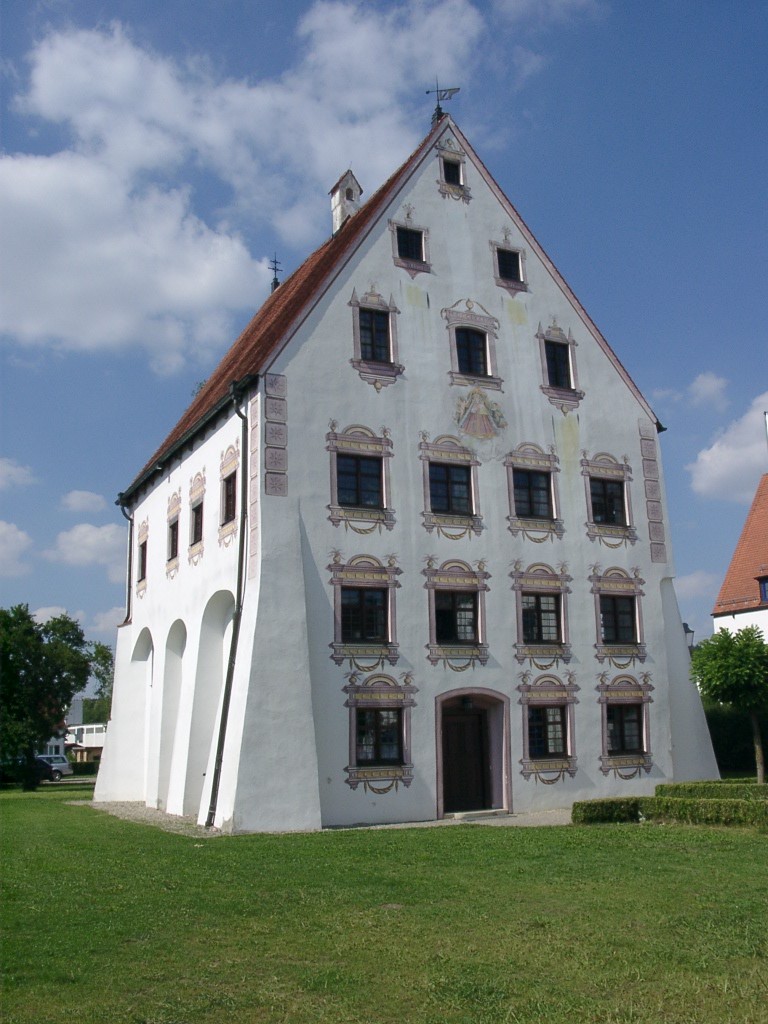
541	618
358	481
533	494
450	489
451	172
625	730
763	590
374	336
173	539
546	731
455	617
363	615
472	352
142	568
558	364
509	265
196	524
607	497
228	498
618	619
410	245
379	736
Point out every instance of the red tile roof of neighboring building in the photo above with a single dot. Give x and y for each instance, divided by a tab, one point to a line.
285	309
740	591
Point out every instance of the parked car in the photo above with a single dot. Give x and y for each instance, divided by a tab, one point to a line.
13	770
58	763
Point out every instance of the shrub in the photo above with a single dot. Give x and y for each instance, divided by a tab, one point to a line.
713	790
731	734
85	767
685	810
612	809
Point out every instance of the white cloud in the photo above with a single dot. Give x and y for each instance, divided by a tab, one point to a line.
548	12
697	584
731	466
83	501
12	474
527	64
51	612
13	545
105	623
709	389
86	545
104	245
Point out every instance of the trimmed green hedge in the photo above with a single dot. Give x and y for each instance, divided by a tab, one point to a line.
713	790
684	810
85	767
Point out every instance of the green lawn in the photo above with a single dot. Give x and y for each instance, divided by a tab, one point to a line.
105	920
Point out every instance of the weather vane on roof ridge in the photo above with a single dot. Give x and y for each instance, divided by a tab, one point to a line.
274	266
441	95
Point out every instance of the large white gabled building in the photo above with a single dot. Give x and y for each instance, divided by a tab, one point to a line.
407	552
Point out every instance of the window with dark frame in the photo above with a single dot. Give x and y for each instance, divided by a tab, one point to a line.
472	352
379	736
618	622
374	335
228	498
547	733
625	728
541	618
173	539
410	245
558	364
364	615
452	172
763	583
509	265
456	617
196	524
533	494
358	481
607	499
450	489
142	568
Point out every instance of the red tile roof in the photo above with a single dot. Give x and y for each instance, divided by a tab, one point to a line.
285	309
740	591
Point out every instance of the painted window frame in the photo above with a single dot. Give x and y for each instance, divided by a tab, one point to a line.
448	152
380	692
547	691
541	579
173	527
532	458
565	399
413	267
466	313
456	575
229	467
622	691
360	572
448	450
510	285
196	546
616	582
359	440
142	557
605	466
379	375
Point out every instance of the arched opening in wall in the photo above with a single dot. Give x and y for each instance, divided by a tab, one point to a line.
142	663
174	653
213	651
472	751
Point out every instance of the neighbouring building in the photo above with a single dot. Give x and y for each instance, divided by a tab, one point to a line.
743	597
406	554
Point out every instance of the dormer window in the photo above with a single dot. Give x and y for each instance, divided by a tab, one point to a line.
763	584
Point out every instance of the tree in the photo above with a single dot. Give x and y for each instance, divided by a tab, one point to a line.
42	667
733	669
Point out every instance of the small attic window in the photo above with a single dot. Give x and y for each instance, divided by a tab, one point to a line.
452	172
762	582
350	194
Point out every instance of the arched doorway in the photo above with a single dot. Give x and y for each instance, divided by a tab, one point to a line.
473	751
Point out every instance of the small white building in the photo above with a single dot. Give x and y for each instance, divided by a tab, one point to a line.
743	597
406	554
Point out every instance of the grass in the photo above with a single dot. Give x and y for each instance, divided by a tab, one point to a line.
106	920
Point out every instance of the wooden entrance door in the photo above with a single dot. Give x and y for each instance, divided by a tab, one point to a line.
465	760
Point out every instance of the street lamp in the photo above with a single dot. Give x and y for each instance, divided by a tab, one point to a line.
688	636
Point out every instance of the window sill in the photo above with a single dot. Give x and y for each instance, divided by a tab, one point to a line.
611	536
380	375
195	553
374	653
369	518
621	655
542	768
536	529
469	380
618	762
511	286
450	526
141	588
541	653
457	192
413	267
227	532
372	776
450	653
172	567
566	399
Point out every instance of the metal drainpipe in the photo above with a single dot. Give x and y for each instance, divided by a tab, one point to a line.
129	588
236	390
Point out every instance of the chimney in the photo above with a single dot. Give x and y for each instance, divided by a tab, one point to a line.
345	199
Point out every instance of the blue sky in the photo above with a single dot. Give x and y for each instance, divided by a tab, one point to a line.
155	156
